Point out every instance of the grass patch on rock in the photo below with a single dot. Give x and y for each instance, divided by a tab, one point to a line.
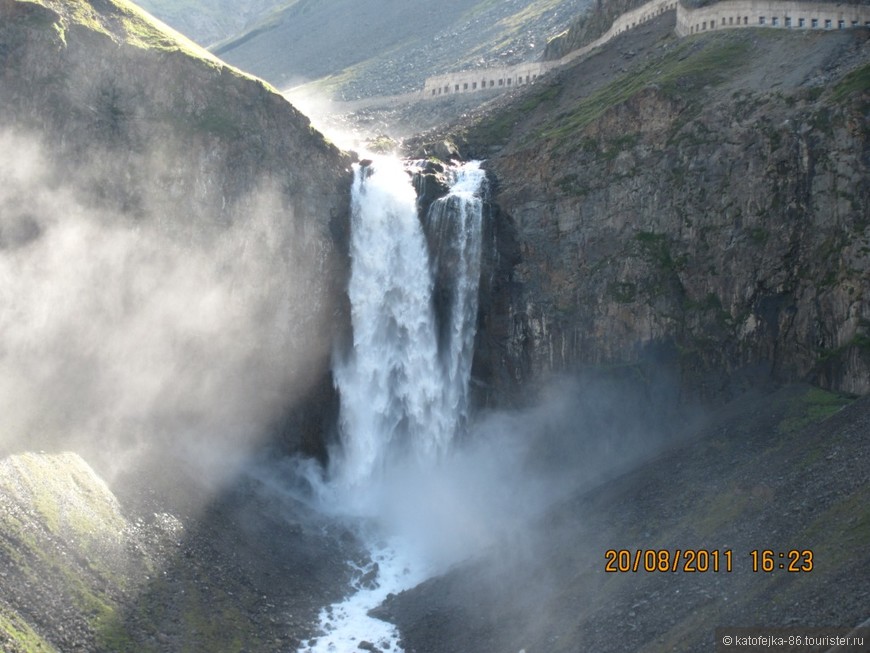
856	81
499	128
17	636
813	406
680	74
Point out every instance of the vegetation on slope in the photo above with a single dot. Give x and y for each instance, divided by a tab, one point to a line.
124	21
680	74
17	636
682	71
77	574
857	81
62	535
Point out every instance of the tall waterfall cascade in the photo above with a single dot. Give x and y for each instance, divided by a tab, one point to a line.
404	385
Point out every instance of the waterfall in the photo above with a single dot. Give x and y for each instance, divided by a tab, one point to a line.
455	223
404	385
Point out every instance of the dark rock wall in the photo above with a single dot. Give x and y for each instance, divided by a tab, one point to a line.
587	27
717	228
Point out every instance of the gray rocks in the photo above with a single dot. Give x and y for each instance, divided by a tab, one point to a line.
416	41
369	580
445	150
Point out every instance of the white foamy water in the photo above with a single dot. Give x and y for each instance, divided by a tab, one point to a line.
390	384
404	385
402	397
457	222
344	626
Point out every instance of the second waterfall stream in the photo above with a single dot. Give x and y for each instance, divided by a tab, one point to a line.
404	383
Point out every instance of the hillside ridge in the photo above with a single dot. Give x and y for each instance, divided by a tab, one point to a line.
325	46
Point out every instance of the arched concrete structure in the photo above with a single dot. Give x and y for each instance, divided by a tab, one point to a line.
506	78
731	14
728	14
500	79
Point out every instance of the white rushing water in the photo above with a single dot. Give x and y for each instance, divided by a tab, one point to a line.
456	222
404	385
346	625
402	397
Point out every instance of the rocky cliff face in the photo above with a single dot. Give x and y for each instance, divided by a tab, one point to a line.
204	208
172	257
587	27
698	203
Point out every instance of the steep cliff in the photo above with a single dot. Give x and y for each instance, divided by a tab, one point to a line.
700	203
165	217
172	275
587	27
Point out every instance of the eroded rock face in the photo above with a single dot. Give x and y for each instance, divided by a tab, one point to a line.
715	226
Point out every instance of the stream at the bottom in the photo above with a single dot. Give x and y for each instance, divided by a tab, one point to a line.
346	626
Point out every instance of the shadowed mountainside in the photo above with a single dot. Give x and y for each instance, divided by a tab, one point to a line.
330	43
204	180
173	266
209	21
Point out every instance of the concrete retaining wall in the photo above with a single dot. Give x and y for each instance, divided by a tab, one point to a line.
731	14
469	81
728	14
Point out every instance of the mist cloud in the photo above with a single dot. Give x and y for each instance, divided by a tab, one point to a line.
513	466
119	339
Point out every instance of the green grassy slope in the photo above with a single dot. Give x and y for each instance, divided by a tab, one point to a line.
123	21
62	536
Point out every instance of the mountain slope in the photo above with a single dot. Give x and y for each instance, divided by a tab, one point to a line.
172	280
333	41
208	21
83	572
547	589
168	261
